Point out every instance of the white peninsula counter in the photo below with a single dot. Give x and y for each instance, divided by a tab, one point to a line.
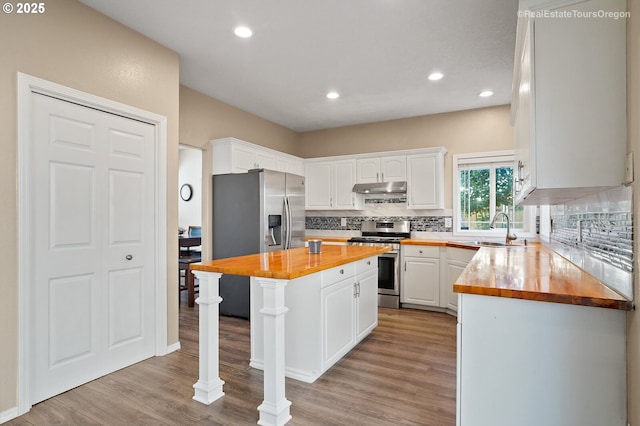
330	298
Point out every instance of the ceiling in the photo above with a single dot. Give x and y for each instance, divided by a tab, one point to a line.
376	53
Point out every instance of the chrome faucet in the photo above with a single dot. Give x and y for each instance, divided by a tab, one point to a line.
509	236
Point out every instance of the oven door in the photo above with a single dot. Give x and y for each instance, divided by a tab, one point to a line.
388	282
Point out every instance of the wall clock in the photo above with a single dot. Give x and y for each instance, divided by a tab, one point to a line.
186	192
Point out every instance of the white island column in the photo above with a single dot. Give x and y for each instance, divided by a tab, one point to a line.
274	410
208	388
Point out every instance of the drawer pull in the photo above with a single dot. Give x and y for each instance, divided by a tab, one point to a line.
420	251
369	262
342	271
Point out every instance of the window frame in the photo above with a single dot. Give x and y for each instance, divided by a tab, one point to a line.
490	160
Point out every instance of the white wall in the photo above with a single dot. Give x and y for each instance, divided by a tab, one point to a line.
190	171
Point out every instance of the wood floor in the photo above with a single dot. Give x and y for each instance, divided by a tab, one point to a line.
404	373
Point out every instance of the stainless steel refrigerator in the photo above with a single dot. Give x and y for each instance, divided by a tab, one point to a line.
254	212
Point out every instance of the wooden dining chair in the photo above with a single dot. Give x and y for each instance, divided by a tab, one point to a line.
187	256
184	264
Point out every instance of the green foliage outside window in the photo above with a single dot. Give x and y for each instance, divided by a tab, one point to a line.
477	188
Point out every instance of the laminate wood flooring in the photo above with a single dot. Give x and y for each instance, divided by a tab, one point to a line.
404	373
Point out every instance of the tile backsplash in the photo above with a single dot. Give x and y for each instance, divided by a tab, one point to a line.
599	227
605	236
418	223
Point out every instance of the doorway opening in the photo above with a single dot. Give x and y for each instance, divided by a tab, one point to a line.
189	220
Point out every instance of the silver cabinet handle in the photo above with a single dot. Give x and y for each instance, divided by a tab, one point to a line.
342	271
382	177
420	251
520	170
369	262
128	257
377	177
405	266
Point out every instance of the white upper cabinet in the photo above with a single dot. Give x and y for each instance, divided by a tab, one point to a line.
391	168
569	103
330	180
329	185
318	188
425	180
231	155
344	178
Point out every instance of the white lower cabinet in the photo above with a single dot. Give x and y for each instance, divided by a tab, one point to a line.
366	300
530	363
329	313
429	273
456	260
338	313
421	275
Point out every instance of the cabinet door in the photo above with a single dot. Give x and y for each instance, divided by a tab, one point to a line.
265	160
244	158
318	185
345	178
367	306
338	316
393	169
524	119
368	170
425	181
449	299
296	166
421	281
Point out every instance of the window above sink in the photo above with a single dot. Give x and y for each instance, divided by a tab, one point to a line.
483	185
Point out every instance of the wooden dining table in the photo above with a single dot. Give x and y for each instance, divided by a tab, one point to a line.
185	261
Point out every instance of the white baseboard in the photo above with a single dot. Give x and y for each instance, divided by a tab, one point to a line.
292	373
172	348
9	414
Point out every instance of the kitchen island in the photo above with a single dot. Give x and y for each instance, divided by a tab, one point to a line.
540	342
341	275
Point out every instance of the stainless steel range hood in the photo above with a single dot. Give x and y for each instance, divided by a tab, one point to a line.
380	188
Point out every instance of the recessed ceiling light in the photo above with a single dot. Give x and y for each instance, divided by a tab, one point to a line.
485	93
333	95
243	32
435	76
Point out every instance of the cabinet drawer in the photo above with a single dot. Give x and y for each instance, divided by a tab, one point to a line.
339	273
366	265
420	251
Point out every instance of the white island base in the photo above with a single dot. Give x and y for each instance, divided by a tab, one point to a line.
329	313
337	306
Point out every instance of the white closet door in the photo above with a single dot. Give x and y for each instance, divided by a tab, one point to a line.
92	221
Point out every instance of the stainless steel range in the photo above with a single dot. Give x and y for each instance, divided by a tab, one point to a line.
385	233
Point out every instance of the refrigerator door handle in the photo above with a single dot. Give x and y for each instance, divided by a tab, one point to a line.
287	214
289	225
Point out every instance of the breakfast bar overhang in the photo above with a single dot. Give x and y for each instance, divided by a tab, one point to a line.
272	271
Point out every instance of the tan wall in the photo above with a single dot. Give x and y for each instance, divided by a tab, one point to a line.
477	130
633	138
73	45
203	118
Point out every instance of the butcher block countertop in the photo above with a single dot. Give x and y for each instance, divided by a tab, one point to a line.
330	239
289	264
534	272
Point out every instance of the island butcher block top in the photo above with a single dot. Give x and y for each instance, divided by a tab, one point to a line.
535	272
289	264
